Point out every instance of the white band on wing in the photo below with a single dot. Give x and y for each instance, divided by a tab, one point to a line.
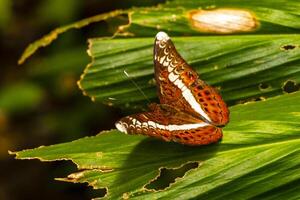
188	96
121	126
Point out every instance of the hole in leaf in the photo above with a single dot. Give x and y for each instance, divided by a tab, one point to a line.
288	47
89	192
168	176
264	86
97	193
259	99
290	86
245	101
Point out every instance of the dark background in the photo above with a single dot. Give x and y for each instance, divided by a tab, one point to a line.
40	103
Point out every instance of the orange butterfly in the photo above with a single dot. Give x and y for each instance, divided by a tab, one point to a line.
190	111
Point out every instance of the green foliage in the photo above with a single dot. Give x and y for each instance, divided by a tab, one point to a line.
237	65
58	11
5	10
20	97
258	155
277	17
47	39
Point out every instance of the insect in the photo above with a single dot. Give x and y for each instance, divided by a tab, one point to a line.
190	111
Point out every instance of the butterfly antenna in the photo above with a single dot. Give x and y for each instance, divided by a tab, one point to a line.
134	83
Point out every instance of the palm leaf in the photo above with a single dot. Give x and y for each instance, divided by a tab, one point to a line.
258	155
241	67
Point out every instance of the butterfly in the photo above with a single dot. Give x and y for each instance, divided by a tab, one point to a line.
190	111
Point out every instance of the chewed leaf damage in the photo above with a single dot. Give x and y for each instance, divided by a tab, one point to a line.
168	176
288	47
50	37
290	86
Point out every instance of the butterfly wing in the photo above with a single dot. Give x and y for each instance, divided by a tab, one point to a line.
170	125
179	85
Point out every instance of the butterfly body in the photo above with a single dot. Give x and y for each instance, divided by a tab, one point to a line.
190	111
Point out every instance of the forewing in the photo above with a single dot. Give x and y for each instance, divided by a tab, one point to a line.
170	125
179	85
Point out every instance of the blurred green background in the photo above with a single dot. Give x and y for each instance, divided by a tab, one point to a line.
40	103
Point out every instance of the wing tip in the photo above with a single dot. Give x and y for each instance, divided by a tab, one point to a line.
120	127
162	36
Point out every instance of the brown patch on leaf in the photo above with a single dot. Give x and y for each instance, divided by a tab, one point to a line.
223	20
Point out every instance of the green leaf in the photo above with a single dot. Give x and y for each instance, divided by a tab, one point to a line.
257	158
174	17
47	39
20	97
259	155
243	67
6	13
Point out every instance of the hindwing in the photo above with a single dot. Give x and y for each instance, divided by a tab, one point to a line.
166	123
